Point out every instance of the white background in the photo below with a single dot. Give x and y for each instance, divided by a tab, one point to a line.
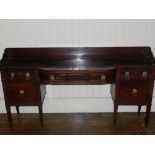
68	33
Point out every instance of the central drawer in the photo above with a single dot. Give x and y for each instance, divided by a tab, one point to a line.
58	77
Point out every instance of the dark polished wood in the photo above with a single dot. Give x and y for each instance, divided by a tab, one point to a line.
26	71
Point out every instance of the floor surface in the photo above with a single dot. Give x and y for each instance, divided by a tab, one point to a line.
78	124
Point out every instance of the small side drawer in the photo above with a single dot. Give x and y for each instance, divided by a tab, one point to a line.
22	93
135	74
14	75
133	93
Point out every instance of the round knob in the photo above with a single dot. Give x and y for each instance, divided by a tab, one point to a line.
51	77
134	92
12	76
27	76
127	75
144	74
21	91
103	77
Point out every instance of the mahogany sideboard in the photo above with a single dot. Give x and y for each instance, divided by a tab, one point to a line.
130	71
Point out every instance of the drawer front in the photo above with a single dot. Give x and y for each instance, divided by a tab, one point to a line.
104	77
133	93
22	93
14	75
85	77
135	74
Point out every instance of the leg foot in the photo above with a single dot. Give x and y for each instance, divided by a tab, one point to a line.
148	108
41	115
17	109
139	109
115	114
8	109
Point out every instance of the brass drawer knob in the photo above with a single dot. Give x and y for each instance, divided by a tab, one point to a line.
134	92
103	77
51	77
27	76
21	92
144	74
127	74
12	76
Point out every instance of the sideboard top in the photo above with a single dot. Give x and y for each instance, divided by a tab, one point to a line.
76	56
